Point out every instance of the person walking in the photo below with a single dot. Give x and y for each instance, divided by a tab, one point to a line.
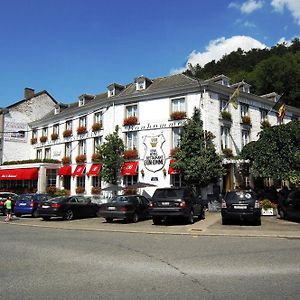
8	206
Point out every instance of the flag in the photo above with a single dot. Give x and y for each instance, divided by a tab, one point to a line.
233	98
281	111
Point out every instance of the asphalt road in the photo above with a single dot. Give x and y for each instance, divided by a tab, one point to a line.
47	263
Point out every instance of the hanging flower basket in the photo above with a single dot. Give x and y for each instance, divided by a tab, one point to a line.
66	160
130	154
81	130
54	136
33	141
80	158
178	115
130	121
246	120
96	126
265	124
96	157
67	133
43	139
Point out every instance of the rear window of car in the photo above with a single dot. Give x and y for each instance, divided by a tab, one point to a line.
236	196
168	193
120	199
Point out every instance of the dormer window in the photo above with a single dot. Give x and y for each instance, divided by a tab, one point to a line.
81	101
142	82
57	110
114	89
140	85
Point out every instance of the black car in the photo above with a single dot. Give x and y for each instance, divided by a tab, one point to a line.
175	202
289	207
126	207
241	206
3	198
67	208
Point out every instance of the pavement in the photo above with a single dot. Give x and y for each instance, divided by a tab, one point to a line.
271	226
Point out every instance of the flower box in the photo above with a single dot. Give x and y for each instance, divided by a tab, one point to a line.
43	139
33	141
66	160
246	120
227	152
95	190
80	158
96	157
130	154
80	190
268	211
130	121
81	130
96	126
67	133
178	115
54	136
226	115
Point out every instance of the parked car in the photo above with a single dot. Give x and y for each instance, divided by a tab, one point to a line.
67	208
126	207
289	207
3	197
27	204
176	202
240	205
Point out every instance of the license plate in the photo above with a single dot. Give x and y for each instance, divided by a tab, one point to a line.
111	208
165	203
45	206
240	206
22	204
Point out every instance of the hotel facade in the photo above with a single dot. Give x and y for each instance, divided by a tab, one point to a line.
150	114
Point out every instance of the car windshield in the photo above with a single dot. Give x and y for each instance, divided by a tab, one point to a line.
168	193
120	199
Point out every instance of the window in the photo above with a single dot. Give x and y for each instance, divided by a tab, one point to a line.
96	181
56	128
130	179
97	142
82	121
176	136
82	147
47	153
45	131
178	104
131	111
263	114
98	117
68	149
39	154
51	177
131	140
175	180
244	110
223	105
81	101
245	137
69	125
225	131
81	180
34	133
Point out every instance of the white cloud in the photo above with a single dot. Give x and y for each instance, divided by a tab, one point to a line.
216	49
292	5
247	7
288	43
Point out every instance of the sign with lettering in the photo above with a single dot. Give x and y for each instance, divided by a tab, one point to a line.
154	159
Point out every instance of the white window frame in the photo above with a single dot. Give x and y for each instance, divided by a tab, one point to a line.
69	125
132	140
178	104
98	116
225	134
176	131
263	114
82	121
48	153
82	147
68	149
56	128
97	142
244	110
245	137
39	153
131	111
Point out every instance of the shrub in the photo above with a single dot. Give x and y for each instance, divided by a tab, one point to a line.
95	190
51	189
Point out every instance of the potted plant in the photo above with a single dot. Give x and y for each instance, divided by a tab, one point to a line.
67	133
81	130
80	190
246	120
66	160
178	115
96	126
96	190
96	157
81	158
227	152
130	121
265	124
226	115
54	136
267	207
33	141
130	154
43	139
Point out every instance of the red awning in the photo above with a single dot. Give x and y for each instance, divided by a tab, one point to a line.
79	170
129	168
94	170
172	170
19	174
65	171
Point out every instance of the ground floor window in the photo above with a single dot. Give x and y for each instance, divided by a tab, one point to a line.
67	182
80	185
130	179
51	177
19	186
96	181
175	179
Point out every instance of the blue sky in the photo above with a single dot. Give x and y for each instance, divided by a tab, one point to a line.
71	47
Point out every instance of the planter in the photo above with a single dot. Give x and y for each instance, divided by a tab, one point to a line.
54	136
226	115
80	190
67	133
268	211
131	154
81	158
130	121
81	130
33	141
96	157
66	160
96	126
178	115
43	139
96	190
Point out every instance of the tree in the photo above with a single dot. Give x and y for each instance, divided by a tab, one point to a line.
196	158
111	153
276	154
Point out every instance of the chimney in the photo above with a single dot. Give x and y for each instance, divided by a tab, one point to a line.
28	93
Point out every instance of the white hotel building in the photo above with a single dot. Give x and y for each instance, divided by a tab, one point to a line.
150	114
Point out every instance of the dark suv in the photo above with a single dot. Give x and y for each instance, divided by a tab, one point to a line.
289	207
241	205
175	202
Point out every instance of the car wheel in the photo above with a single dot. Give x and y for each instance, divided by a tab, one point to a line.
190	218
46	218
156	220
18	215
35	214
282	214
109	220
69	215
135	218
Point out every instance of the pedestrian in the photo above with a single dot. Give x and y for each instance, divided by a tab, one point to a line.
8	207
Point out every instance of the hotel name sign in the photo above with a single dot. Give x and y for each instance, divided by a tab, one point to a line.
153	126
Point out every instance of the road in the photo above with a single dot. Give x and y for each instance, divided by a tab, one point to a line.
47	263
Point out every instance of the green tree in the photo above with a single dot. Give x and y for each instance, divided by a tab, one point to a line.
111	153
276	154
197	159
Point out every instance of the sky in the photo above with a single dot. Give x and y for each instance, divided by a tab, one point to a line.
75	47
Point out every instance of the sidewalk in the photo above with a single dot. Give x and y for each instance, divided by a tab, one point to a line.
211	226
